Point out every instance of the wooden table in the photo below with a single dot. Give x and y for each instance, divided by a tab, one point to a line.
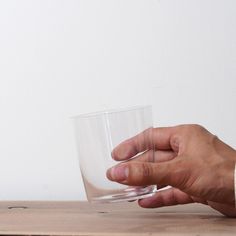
82	218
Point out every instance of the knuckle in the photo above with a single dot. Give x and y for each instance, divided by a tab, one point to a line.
214	139
172	200
138	142
146	170
174	142
141	173
189	128
197	127
148	138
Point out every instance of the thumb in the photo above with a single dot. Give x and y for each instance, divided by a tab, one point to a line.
144	173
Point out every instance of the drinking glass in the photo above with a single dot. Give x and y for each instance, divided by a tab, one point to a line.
97	134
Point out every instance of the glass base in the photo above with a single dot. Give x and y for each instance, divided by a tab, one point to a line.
129	194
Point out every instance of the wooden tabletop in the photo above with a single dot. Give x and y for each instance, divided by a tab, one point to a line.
82	218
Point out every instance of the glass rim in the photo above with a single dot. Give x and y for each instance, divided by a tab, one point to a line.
111	111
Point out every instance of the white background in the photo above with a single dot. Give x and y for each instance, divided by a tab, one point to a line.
65	57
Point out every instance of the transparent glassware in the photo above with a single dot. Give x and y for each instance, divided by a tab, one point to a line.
97	134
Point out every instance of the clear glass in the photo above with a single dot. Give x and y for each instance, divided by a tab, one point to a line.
97	134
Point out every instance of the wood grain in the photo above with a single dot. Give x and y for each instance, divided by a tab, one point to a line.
82	218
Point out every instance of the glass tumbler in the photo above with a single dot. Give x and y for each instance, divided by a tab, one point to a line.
97	134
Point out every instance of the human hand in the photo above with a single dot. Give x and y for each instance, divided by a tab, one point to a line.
198	166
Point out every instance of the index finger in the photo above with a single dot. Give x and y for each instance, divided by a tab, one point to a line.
152	138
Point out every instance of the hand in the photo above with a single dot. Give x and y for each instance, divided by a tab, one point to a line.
198	166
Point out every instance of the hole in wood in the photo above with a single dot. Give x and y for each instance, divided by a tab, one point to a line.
17	207
102	212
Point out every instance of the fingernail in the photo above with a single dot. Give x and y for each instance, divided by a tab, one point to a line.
119	173
113	155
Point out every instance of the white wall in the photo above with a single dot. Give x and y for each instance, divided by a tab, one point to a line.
64	57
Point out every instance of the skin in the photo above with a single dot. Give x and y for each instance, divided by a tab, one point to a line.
197	165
